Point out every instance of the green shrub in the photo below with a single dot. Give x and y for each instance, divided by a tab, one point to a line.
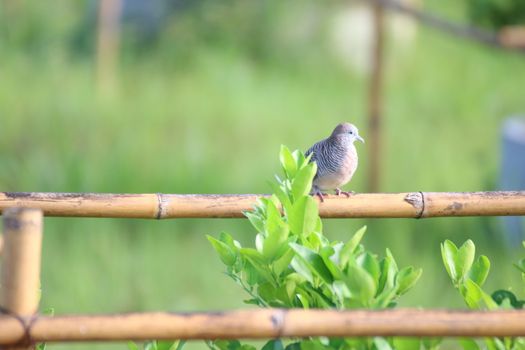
293	265
468	276
495	14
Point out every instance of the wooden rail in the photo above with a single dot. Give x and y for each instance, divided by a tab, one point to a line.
264	323
361	205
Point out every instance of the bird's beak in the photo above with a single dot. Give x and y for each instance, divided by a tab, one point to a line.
360	139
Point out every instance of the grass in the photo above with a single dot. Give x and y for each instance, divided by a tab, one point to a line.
214	125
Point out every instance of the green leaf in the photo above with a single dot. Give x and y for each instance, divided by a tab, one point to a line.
370	264
392	259
252	277
293	346
431	343
273	217
404	343
302	183
227	344
169	345
520	265
319	300
267	292
388	274
480	270
281	264
259	242
361	285
256	221
226	238
131	346
407	278
258	263
381	343
226	254
275	344
465	258
469	344
281	195
341	291
276	241
315	241
314	261
385	298
290	287
449	251
287	162
302	268
150	345
253	301
350	246
300	159
303	216
472	294
327	254
303	299
312	345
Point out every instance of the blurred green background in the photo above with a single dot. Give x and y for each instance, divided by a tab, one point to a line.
202	106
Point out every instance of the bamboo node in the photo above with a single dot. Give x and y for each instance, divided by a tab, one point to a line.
12	220
26	323
417	200
277	320
162	207
159	208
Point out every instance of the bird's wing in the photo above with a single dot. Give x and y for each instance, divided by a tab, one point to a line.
316	150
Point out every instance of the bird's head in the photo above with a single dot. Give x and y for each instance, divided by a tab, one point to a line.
347	132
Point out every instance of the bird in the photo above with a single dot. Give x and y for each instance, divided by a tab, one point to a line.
336	159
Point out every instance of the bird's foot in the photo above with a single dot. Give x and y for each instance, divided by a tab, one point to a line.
318	193
338	192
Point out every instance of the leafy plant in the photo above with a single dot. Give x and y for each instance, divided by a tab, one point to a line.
468	276
293	265
496	14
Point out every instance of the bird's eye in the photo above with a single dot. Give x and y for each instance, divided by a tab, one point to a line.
351	132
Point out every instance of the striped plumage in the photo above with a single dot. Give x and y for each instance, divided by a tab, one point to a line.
336	159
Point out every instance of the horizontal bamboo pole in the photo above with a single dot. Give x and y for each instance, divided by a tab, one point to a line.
267	323
361	205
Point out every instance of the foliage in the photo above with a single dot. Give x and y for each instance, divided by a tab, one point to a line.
468	276
294	265
496	14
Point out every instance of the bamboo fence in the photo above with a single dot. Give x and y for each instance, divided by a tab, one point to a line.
264	323
361	205
21	327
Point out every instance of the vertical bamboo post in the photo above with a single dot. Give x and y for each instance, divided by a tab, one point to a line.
108	43
20	280
375	102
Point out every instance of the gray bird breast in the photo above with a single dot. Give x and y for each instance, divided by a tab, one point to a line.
336	163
